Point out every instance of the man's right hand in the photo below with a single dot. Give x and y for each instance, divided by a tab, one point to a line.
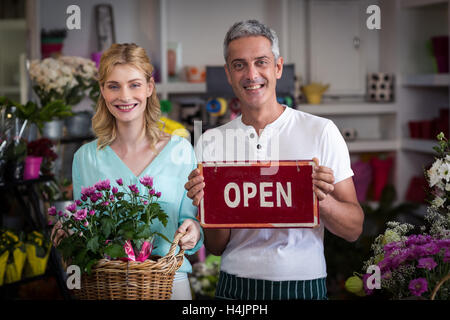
195	187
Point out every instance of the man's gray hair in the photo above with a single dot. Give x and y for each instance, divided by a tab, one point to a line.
250	28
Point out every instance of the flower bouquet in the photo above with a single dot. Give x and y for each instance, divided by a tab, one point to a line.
43	148
65	78
415	264
109	234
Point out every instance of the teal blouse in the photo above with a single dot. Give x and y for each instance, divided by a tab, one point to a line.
170	170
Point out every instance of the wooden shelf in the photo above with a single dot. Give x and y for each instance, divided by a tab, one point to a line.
372	145
349	108
419	145
426	80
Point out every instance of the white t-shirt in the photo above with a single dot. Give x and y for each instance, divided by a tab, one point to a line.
277	254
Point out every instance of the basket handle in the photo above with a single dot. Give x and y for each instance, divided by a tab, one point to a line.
174	245
433	295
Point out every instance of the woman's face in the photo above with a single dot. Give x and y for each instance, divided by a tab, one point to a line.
125	92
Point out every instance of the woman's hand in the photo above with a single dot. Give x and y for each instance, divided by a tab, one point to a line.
191	228
57	234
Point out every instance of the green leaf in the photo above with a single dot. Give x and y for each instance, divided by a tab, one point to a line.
92	244
107	225
115	251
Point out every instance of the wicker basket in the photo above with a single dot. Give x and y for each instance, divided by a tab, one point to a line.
131	280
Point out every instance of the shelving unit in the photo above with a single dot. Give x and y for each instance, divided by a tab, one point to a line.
421	91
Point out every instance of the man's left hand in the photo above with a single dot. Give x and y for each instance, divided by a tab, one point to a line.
323	181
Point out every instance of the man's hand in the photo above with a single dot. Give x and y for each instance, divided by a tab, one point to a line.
323	181
195	187
191	228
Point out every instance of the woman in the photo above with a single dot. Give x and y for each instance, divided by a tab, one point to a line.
129	145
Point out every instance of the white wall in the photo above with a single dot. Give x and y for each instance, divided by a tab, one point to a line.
83	42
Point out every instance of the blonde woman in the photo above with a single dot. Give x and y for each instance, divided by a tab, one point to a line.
129	145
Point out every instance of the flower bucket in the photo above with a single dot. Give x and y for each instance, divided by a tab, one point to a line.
78	125
3	261
362	179
53	129
32	167
14	270
381	169
35	265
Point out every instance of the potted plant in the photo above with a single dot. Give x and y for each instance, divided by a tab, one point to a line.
109	235
56	193
43	148
415	263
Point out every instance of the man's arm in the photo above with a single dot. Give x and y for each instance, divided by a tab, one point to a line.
341	213
339	207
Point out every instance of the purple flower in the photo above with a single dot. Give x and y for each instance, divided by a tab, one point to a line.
151	192
103	185
158	194
51	211
91	212
105	204
78	202
80	215
147	181
134	189
430	248
60	213
87	192
418	286
72	207
427	263
115	190
86	223
447	255
119	182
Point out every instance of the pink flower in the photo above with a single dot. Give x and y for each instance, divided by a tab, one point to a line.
80	214
72	207
147	181
86	223
91	212
158	194
134	189
418	286
51	211
366	289
103	185
115	190
119	182
427	263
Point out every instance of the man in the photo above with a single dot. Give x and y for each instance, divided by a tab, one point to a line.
275	263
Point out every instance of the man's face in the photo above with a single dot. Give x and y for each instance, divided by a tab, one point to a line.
252	71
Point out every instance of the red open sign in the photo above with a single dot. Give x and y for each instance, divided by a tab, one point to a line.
258	195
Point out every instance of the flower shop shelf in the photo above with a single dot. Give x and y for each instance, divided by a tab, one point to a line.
419	145
373	145
349	108
180	87
426	80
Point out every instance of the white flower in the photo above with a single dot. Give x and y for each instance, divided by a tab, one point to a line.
433	172
438	202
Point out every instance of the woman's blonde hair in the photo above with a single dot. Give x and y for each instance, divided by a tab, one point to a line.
103	122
